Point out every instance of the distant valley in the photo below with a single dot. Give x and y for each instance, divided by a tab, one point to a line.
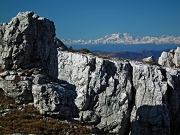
133	52
132	55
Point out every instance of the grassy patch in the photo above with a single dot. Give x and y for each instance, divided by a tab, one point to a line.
17	79
25	71
26	119
1	70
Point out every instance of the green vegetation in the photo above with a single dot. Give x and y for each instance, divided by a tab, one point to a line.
27	120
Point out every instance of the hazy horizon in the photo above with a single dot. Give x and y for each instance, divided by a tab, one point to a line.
128	48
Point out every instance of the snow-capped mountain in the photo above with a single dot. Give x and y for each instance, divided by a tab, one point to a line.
125	38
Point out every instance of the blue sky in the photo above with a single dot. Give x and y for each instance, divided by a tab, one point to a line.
92	19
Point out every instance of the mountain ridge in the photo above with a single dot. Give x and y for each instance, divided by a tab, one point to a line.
110	96
132	55
125	38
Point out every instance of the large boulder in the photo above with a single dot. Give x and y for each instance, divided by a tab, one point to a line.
149	59
54	100
27	41
103	87
171	58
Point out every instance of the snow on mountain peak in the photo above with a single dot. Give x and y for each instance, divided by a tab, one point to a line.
125	38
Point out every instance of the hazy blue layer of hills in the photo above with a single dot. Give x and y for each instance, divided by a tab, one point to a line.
133	52
129	48
133	55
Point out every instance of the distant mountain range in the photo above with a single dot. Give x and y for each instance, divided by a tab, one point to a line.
125	38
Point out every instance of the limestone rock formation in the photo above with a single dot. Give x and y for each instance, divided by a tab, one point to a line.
149	59
27	41
123	97
171	58
53	100
113	96
102	86
28	65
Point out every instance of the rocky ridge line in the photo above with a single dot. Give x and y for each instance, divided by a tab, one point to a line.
114	96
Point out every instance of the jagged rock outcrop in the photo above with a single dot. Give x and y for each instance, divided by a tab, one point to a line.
149	59
103	87
28	65
123	97
171	58
114	96
54	100
150	114
27	41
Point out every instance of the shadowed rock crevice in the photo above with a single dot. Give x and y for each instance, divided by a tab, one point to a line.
151	120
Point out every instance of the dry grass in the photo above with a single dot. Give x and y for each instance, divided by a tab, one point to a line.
1	70
27	120
25	71
17	79
101	56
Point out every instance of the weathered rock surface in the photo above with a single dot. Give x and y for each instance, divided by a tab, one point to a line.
171	58
150	113
149	59
114	96
28	65
102	86
123	96
53	100
27	41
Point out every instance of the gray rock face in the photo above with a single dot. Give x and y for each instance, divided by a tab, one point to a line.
103	87
28	65
149	59
171	58
27	41
150	114
53	100
16	86
121	97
